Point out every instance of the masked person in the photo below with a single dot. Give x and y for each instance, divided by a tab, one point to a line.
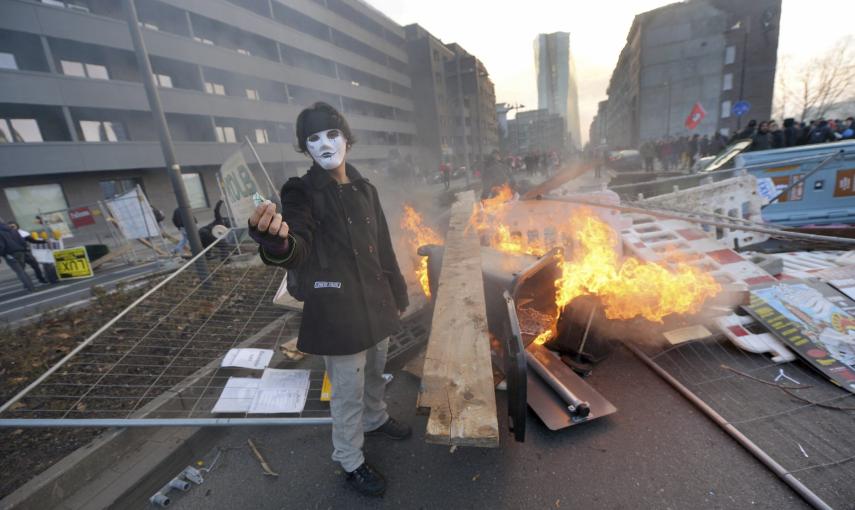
333	233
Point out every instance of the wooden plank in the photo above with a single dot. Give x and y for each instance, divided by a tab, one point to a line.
457	380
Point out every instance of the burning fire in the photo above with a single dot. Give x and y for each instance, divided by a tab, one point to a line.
419	235
630	288
485	220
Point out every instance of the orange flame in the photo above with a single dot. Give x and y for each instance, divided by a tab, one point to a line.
630	288
419	234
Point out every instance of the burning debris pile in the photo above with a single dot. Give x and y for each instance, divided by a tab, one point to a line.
590	262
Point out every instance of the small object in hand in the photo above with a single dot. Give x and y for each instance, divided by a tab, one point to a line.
257	199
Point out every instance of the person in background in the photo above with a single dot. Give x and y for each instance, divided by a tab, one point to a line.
29	259
176	220
13	249
762	140
648	153
777	135
445	173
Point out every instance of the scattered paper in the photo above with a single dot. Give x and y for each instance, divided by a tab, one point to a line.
237	396
281	391
247	358
678	336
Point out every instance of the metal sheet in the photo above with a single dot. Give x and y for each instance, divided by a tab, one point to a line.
551	408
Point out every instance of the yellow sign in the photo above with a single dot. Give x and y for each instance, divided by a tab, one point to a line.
72	263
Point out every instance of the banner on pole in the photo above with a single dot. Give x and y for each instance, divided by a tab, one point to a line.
239	186
695	116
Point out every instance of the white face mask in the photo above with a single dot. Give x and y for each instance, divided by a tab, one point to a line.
327	148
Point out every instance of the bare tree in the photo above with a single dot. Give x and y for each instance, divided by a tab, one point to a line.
818	84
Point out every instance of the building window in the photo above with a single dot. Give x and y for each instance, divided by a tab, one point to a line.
729	55
102	131
226	134
725	109
728	82
27	202
203	40
252	94
195	190
72	4
215	88
261	136
7	61
164	80
20	131
72	68
114	187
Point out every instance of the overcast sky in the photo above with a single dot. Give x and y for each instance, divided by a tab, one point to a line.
501	33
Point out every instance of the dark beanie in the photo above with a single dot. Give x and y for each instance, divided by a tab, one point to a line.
320	117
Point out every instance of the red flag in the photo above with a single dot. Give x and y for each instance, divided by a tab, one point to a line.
695	116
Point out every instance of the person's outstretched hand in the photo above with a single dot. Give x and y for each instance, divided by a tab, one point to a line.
268	228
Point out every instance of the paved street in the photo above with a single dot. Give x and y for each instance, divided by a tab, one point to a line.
18	305
656	452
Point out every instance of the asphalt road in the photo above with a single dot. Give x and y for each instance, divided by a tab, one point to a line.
16	304
657	452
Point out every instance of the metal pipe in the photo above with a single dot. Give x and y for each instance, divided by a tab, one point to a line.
732	226
172	167
103	328
575	405
717	173
746	443
157	422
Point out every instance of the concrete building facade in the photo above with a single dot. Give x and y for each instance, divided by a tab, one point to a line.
433	113
711	52
76	122
557	91
473	102
536	131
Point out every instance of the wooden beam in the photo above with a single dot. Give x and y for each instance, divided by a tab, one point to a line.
457	381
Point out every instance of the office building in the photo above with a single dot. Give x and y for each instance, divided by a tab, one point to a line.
75	123
711	52
556	81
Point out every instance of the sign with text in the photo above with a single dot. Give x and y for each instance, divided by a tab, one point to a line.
239	185
815	321
72	263
81	217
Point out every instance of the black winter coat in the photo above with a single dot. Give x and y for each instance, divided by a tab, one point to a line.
10	241
353	303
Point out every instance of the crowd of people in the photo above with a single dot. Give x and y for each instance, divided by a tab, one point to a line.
680	152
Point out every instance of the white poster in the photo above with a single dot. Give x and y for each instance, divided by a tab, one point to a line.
133	215
239	186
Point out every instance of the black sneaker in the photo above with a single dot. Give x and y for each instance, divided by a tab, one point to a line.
392	429
367	481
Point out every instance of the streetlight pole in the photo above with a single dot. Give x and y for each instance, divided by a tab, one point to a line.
172	166
742	73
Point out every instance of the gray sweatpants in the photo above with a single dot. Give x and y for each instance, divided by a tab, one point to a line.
356	402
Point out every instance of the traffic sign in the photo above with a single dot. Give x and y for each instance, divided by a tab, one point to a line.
72	263
740	108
